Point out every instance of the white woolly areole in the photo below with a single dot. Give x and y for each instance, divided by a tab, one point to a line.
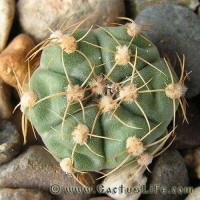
57	35
97	85
66	165
133	29
123	55
145	159
68	43
175	90
134	146
107	104
28	99
128	93
74	93
121	177
80	134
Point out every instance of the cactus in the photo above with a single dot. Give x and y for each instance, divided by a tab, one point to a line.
102	98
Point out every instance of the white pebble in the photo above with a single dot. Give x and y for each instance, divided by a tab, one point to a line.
122	178
195	195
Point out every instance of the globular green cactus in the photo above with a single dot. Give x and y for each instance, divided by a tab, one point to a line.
102	98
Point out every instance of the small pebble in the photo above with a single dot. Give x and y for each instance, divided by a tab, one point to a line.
10	141
122	177
36	168
36	16
7	13
169	171
176	30
23	194
5	106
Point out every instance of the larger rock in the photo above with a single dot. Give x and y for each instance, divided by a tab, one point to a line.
168	173
177	30
36	15
142	4
36	168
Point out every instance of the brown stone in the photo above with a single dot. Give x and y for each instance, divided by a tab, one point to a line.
12	61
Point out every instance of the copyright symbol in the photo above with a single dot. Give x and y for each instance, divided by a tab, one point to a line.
55	189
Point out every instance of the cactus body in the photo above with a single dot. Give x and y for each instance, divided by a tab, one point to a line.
137	111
